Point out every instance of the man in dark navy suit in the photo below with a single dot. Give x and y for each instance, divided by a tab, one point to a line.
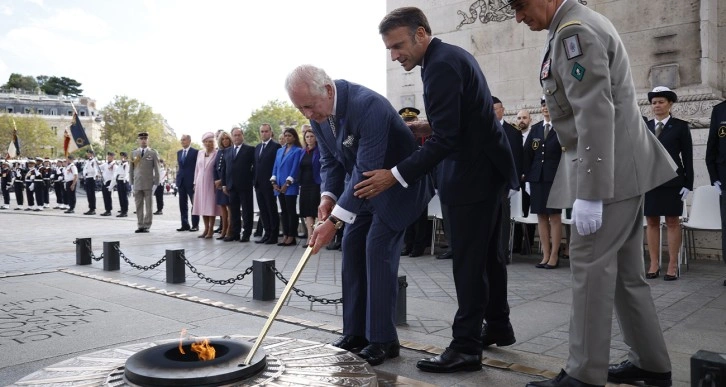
265	153
186	159
238	170
359	130
716	162
471	150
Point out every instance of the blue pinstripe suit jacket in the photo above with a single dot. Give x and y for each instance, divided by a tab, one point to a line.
369	135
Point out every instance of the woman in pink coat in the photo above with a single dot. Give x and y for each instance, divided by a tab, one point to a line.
205	200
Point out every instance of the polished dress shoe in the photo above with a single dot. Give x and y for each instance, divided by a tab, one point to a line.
271	241
541	265
183	228
416	253
562	380
653	275
446	255
627	373
231	238
668	277
244	239
350	343
140	230
90	212
377	353
107	213
406	251
500	337
158	213
450	361
193	229
263	240
122	215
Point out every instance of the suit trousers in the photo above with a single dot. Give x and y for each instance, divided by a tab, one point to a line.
417	235
89	184
268	211
474	240
607	269
6	194
18	188
159	195
39	193
70	196
184	195
237	199
371	252
59	193
123	196
30	195
107	202
288	214
144	215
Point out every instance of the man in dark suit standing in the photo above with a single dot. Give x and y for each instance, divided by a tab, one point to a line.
238	170
358	130
716	163
470	149
186	159
265	153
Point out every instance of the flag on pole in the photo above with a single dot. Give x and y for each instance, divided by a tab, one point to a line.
14	147
78	134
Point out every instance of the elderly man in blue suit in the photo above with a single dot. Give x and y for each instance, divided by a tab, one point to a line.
359	130
186	159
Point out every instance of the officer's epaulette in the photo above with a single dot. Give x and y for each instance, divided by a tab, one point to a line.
569	23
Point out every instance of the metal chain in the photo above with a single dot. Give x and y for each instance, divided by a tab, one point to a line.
232	280
301	293
93	256
136	266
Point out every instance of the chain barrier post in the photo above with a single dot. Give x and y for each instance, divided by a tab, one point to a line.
175	267
111	260
401	300
263	279
83	251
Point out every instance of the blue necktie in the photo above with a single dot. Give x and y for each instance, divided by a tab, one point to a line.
184	156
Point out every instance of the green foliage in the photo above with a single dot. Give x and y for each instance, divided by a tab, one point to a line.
276	113
22	82
54	86
34	134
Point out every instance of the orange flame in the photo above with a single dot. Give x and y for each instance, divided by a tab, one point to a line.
181	340
204	350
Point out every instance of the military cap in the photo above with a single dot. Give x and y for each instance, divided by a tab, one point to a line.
110	154
662	91
123	154
30	161
143	135
39	159
409	112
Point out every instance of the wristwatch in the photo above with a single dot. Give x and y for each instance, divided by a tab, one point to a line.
337	223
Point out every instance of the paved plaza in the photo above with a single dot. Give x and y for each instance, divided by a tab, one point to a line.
53	310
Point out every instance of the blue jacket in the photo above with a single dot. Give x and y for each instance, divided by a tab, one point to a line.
288	165
185	172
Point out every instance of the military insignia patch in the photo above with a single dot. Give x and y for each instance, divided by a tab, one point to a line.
545	73
578	71
722	131
572	47
535	143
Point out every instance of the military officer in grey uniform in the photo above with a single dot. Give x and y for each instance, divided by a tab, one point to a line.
590	94
144	177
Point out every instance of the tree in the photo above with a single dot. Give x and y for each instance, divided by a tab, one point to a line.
34	134
276	113
54	86
22	82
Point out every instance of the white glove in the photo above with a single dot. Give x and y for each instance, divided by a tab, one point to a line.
31	187
717	184
587	216
132	187
527	189
684	193
153	188
511	193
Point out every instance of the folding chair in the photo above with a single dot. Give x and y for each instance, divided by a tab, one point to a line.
434	213
515	208
705	215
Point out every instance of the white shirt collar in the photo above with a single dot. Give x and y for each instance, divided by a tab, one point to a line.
665	120
335	99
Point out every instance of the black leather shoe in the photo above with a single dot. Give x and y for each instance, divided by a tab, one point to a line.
446	255
377	353
66	211
183	228
107	213
122	215
627	373
562	380
244	239
450	361
217	231
158	213
271	241
263	240
406	251
653	275
550	267
541	265
350	343
416	253
90	212
501	338
231	238
140	230
193	229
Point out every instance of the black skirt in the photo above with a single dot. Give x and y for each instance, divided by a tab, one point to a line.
540	192
309	200
663	201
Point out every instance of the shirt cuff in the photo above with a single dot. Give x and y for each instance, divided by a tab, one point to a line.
343	214
398	177
273	178
290	179
330	195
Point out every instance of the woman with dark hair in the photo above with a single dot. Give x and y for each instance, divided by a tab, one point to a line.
667	199
287	168
309	181
224	141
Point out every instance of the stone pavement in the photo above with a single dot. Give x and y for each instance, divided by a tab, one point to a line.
92	309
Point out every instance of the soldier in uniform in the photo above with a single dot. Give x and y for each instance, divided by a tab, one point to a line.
144	177
45	172
414	239
609	160
120	180
70	180
6	178
90	171
107	174
57	178
32	184
18	185
716	163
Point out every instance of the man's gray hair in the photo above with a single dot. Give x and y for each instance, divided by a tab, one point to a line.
314	77
186	136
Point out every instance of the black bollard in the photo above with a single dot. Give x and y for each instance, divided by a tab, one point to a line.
263	279
401	301
83	251
175	267
111	256
708	369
